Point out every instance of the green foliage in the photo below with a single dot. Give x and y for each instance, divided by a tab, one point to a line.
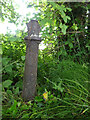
65	81
49	15
13	57
62	67
7	11
7	83
63	29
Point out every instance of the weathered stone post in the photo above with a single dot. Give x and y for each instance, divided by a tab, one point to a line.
30	73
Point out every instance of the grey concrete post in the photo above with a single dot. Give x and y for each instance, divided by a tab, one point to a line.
30	73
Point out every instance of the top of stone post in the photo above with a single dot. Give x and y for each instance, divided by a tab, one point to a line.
33	28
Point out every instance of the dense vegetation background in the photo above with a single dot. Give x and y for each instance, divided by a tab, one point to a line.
63	66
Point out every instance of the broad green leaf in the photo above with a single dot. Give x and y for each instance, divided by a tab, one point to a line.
69	9
7	83
38	98
19	84
70	45
13	107
66	42
16	91
23	57
63	28
60	25
9	92
64	53
68	18
8	69
19	103
65	19
5	60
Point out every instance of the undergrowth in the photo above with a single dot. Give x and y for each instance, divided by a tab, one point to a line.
62	87
66	88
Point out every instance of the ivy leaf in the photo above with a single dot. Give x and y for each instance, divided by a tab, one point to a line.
63	28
